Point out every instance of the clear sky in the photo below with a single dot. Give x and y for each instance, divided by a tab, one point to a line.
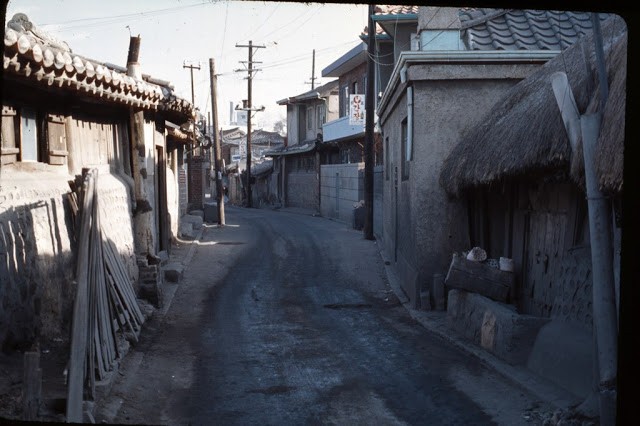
175	32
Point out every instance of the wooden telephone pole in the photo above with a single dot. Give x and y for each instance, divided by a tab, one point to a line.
369	129
250	71
216	141
193	141
313	71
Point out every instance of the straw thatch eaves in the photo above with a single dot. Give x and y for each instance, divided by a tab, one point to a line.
32	55
525	134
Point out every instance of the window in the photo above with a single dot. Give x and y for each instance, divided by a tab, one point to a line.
345	156
309	118
30	135
322	118
403	149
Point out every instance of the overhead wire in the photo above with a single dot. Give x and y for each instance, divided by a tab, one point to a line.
116	19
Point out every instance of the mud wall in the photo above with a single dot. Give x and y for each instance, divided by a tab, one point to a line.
38	249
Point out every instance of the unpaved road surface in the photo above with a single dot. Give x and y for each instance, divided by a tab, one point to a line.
288	319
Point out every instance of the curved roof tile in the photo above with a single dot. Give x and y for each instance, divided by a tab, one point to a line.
36	59
512	29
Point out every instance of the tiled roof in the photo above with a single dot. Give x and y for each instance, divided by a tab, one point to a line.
306	146
32	56
391	9
511	29
384	10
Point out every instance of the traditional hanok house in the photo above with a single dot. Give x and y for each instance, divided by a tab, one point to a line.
261	142
229	144
261	188
525	191
468	60
61	113
296	169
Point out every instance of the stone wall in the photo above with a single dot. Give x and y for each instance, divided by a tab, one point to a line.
302	190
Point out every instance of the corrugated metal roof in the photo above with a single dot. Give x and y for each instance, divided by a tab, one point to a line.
512	29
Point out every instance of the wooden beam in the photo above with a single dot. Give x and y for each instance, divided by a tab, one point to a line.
77	357
31	386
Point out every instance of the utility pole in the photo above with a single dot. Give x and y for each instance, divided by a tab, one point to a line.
313	71
249	109
605	316
216	141
369	128
193	141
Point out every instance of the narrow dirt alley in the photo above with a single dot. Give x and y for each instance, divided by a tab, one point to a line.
284	318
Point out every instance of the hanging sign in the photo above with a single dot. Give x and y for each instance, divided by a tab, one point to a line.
356	110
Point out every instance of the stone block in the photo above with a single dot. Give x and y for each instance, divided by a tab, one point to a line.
195	220
173	272
199	213
186	231
495	326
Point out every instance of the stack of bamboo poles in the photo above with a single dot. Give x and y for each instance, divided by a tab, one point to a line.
105	302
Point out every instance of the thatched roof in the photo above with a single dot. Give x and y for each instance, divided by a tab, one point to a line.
524	133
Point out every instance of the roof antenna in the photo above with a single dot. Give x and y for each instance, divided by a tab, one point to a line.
129	28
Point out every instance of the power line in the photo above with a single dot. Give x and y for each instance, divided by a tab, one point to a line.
290	23
115	19
264	21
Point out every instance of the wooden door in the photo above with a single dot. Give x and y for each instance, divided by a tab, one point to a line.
546	225
57	137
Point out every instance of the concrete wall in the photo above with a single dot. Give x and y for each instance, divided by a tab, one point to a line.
378	200
422	226
292	125
341	186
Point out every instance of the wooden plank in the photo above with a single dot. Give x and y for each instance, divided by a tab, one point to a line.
126	283
31	386
102	317
115	301
118	297
80	312
479	278
117	277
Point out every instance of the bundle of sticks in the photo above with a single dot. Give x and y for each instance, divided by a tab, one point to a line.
105	304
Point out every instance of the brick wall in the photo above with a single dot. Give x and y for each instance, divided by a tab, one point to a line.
196	183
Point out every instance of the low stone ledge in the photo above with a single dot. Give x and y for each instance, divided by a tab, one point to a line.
495	326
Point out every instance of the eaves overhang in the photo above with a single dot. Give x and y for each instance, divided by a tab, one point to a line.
300	98
307	146
395	17
458	57
347	62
